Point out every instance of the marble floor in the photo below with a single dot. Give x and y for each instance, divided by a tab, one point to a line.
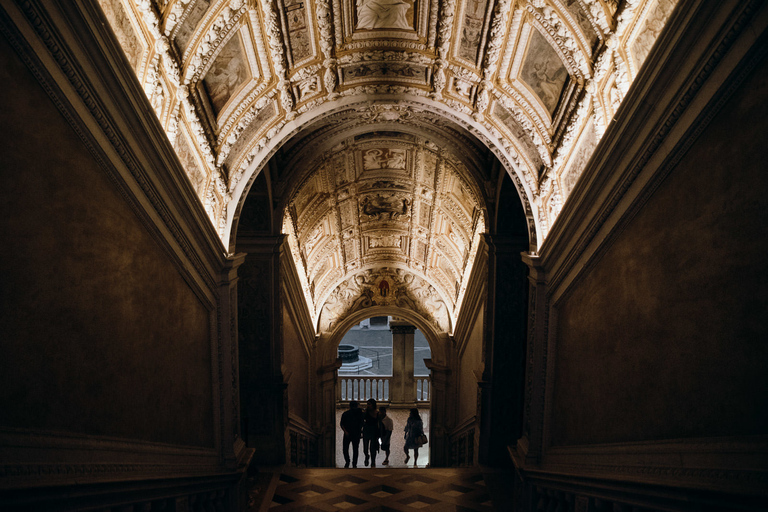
385	490
397	455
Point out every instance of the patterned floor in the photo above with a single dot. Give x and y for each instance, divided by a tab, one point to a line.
382	489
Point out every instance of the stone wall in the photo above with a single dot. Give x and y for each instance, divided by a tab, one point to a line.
101	332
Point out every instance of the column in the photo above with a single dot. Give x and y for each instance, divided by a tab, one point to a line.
402	391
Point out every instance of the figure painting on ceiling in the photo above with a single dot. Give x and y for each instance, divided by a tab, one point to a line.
543	71
373	14
227	73
384	159
472	29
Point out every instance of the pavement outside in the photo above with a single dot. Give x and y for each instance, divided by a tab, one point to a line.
376	343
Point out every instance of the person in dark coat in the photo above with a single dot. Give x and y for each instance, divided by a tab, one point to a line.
371	428
414	428
352	425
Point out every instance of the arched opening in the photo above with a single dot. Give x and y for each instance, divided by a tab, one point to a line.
383	358
360	226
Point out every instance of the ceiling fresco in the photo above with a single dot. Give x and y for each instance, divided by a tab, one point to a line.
385	203
535	83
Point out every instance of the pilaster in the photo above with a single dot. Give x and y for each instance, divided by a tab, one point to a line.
325	420
403	388
231	442
529	446
438	434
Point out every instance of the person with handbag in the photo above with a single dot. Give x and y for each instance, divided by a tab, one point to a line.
387	425
414	436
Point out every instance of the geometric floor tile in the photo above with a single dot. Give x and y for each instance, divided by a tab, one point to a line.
380	490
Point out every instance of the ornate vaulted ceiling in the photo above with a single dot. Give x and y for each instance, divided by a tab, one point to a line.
381	110
386	203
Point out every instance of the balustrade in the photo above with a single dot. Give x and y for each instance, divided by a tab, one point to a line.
377	387
362	388
423	389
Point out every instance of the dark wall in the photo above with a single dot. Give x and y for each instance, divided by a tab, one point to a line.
99	332
297	362
262	400
666	336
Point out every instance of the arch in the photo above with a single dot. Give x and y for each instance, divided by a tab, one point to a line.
524	179
328	342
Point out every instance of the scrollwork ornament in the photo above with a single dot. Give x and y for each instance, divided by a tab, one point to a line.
447	14
438	80
496	37
483	99
330	79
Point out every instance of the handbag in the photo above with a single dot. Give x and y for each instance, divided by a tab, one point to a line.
422	440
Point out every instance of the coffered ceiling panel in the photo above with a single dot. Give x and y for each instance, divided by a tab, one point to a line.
385	201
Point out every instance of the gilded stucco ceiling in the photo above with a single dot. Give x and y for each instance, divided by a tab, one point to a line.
533	82
386	203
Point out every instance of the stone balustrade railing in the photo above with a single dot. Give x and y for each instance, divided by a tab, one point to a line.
378	387
362	388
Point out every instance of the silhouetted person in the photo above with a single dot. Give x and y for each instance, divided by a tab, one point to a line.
371	427
352	425
414	428
386	432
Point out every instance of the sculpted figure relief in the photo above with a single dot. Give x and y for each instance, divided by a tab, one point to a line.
373	14
378	206
381	287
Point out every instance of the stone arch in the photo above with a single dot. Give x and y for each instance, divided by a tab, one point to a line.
328	342
523	178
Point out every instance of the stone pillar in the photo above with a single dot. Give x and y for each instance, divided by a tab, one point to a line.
262	390
402	392
325	420
438	433
231	441
528	448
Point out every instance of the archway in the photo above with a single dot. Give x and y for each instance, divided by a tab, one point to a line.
405	325
383	359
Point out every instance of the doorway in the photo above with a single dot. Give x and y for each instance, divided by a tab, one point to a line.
384	360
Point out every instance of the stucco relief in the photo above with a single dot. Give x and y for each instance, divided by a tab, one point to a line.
192	17
374	47
472	29
543	71
384	286
186	157
124	31
385	14
581	17
519	133
649	29
384	207
298	29
384	159
586	147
